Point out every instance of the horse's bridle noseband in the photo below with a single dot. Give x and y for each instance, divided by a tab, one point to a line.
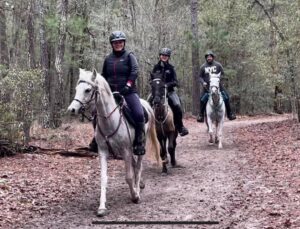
119	105
219	93
83	107
165	104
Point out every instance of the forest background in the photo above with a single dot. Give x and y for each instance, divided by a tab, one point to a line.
44	43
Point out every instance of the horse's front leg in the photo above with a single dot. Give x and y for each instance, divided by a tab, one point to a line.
220	133
138	174
171	148
129	177
210	129
102	211
163	154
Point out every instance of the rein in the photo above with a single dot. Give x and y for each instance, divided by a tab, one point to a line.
119	107
218	106
106	137
83	105
166	107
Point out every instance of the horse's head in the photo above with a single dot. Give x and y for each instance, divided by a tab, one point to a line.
85	91
158	89
214	86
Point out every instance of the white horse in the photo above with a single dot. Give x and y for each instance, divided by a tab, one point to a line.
215	110
113	133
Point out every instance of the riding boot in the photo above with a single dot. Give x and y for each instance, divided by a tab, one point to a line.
182	130
200	118
230	115
93	145
140	140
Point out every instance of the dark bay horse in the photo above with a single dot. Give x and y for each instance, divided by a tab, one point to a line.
165	128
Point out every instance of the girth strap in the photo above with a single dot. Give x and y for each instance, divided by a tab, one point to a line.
106	137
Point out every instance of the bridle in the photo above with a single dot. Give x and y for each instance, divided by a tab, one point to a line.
213	97
119	107
86	105
164	105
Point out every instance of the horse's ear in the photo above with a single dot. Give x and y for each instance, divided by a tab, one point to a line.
81	71
151	76
219	75
94	75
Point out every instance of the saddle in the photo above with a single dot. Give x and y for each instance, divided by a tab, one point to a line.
127	112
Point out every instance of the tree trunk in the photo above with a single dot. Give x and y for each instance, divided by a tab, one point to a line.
4	60
195	57
31	35
59	95
289	57
45	67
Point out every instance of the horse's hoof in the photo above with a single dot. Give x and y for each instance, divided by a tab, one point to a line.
164	170
142	185
173	163
136	200
102	212
164	173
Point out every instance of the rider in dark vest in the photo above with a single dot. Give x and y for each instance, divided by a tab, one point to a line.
120	69
167	70
212	66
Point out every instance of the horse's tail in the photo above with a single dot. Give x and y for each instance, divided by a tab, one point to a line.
152	142
153	138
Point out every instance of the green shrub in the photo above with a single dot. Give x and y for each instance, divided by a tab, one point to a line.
20	96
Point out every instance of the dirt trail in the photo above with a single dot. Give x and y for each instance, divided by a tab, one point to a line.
60	192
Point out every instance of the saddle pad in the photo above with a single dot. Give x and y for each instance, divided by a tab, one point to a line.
128	115
127	112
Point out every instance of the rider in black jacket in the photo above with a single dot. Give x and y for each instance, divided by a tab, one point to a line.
212	66
120	69
163	66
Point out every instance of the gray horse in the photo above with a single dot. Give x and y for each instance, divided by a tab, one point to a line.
113	132
215	110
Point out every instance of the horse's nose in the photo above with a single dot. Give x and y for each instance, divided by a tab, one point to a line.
72	110
156	100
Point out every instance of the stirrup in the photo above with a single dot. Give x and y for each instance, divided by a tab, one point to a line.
231	117
93	147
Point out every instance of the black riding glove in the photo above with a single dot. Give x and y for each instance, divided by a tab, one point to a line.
125	90
171	84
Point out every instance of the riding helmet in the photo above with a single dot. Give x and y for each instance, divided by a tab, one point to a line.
117	36
165	52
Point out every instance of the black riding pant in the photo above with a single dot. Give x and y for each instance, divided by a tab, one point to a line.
175	104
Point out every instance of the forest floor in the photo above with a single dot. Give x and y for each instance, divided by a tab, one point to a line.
254	182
